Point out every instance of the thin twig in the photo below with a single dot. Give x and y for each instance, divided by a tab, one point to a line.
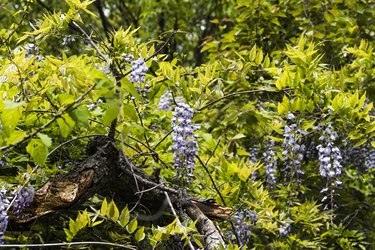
148	190
221	196
71	140
175	215
90	41
238	93
58	115
162	139
213	152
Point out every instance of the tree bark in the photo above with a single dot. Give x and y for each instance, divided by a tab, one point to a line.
108	169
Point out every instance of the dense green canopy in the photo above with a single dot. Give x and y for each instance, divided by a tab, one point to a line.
257	115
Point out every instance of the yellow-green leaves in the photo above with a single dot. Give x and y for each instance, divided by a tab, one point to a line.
66	124
77	4
111	211
38	151
111	112
11	115
81	222
129	87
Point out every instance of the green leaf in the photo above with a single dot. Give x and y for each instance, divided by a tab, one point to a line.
104	207
129	111
69	234
244	174
16	136
129	87
66	124
140	235
38	151
238	136
65	99
306	124
259	57
8	104
45	139
253	53
124	217
359	143
10	119
132	226
81	115
111	113
112	211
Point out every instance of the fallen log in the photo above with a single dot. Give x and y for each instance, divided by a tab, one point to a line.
106	168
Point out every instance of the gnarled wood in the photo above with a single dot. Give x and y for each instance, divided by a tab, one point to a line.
106	168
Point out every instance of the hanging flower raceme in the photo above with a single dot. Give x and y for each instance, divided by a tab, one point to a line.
138	74
139	69
285	230
270	158
329	162
184	142
23	199
4	203
165	101
242	221
294	150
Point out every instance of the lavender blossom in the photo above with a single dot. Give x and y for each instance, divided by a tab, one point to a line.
270	158
329	162
127	57
165	101
294	150
31	49
242	226
285	230
4	203
254	151
23	199
329	155
139	68
184	142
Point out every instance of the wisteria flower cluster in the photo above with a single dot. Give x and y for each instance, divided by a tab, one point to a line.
22	200
294	150
270	159
362	157
4	203
243	221
285	230
329	161
32	50
67	40
185	146
254	151
138	74
165	101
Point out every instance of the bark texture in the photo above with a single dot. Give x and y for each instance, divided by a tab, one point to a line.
106	168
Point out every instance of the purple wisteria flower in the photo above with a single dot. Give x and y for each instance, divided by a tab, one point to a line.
23	199
285	230
294	150
128	57
242	225
4	203
139	69
165	101
184	146
270	159
254	152
329	162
